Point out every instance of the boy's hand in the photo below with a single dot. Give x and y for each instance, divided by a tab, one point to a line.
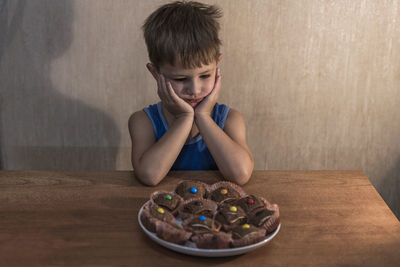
207	104
173	103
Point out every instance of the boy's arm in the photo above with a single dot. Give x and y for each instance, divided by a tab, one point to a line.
152	160
228	147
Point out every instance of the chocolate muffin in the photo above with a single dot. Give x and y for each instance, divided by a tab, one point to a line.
167	200
230	216
267	217
214	216
251	202
225	192
246	234
152	214
172	232
197	207
191	189
212	240
201	224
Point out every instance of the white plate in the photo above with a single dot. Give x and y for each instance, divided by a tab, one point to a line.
191	249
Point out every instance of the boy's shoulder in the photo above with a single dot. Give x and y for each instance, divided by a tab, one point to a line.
139	118
234	121
140	128
234	114
137	115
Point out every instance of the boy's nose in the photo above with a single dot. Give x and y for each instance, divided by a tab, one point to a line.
194	88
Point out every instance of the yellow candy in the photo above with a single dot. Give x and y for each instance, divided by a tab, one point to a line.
245	226
224	191
160	210
233	209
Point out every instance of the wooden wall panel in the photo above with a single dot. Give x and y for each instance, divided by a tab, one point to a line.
318	83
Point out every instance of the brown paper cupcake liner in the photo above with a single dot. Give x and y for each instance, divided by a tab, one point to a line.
185	215
173	194
272	223
217	185
214	240
172	233
149	221
249	239
227	185
226	226
215	225
187	195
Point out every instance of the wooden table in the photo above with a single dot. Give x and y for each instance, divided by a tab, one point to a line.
329	218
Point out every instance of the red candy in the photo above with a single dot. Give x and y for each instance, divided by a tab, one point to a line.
250	201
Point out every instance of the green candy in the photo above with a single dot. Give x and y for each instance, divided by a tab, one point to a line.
168	197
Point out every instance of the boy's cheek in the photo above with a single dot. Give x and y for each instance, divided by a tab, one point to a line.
177	87
174	86
211	84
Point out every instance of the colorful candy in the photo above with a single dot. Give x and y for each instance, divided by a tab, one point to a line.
250	201
233	208
224	191
202	218
160	210
245	226
193	190
169	197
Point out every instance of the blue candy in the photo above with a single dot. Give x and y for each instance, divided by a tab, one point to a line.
202	218
193	190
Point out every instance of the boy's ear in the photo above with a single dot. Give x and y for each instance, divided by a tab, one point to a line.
153	70
219	59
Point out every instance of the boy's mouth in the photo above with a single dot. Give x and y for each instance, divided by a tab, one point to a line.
194	101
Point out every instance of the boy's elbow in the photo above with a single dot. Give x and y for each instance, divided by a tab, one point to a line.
151	183
246	172
148	178
242	176
243	179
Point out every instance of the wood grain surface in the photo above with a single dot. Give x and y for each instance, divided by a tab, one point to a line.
329	218
317	83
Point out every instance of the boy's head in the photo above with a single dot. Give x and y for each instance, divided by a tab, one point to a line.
184	33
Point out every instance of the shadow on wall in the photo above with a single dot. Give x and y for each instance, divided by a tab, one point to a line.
389	186
41	128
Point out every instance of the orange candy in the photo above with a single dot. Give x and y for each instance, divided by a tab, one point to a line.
224	191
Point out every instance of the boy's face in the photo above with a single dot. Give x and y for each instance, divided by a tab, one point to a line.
192	85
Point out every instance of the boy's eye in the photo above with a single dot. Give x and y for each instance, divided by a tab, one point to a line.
206	76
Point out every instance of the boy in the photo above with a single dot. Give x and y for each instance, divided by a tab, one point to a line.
188	129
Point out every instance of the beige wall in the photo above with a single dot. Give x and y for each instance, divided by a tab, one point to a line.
318	83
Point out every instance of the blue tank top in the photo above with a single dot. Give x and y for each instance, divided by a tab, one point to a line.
194	154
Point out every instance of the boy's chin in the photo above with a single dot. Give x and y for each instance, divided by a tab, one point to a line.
193	105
